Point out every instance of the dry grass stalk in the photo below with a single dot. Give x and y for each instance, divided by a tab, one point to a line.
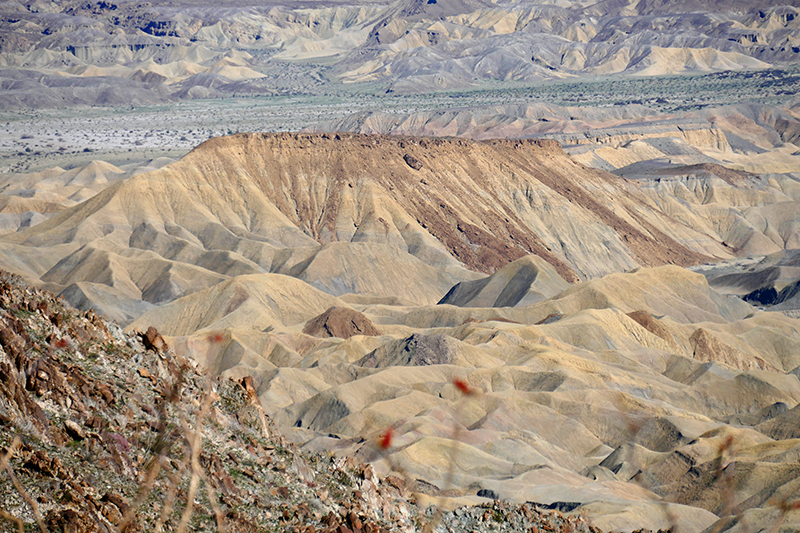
172	396
252	394
144	490
219	516
6	459
5	463
467	392
169	499
195	444
19	523
386	441
785	508
161	447
725	469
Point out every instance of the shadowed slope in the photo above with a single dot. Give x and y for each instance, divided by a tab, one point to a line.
525	281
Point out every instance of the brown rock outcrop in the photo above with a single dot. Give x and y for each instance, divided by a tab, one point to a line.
153	340
341	322
709	348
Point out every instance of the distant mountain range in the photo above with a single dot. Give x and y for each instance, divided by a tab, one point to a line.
110	53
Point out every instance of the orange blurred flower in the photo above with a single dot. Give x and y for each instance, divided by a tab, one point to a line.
463	386
385	441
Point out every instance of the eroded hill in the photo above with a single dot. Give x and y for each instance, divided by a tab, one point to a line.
289	204
348	276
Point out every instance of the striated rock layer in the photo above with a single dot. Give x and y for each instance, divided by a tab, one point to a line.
347	214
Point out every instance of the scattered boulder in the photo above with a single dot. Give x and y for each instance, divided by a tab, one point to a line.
74	430
118	500
153	340
70	521
412	161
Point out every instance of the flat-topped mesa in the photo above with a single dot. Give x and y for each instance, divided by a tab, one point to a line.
449	202
482	200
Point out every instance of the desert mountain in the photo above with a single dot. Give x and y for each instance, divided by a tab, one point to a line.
357	214
107	53
730	172
752	137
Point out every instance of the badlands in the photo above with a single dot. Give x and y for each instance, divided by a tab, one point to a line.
535	253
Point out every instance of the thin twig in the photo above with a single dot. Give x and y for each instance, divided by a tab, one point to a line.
219	516
172	395
724	474
9	453
785	507
247	383
6	463
144	491
455	450
169	499
195	462
187	513
20	524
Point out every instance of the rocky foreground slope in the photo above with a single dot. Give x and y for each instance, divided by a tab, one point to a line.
104	431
